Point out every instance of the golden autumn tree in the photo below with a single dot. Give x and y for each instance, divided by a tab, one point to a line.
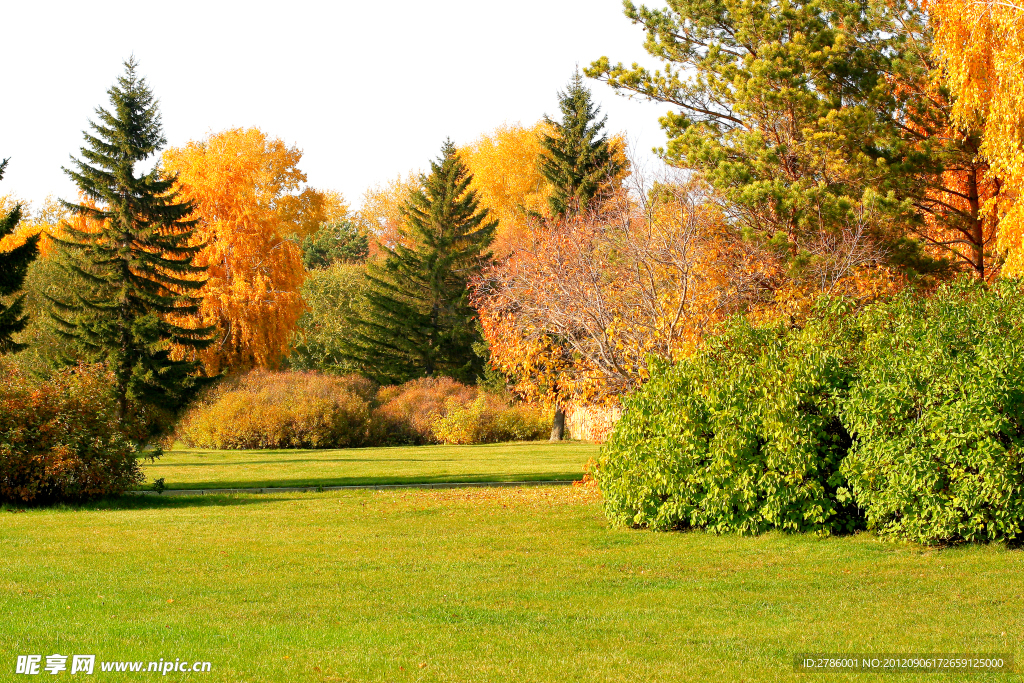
980	44
246	188
506	175
381	215
577	309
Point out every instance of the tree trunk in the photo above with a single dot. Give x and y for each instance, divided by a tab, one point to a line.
558	427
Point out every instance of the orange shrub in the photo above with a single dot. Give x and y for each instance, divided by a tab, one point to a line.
60	439
309	410
406	412
490	419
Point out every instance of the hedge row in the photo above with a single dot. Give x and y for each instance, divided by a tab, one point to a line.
310	410
907	418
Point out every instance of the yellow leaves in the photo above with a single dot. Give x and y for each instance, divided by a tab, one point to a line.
245	186
381	213
980	43
46	220
507	177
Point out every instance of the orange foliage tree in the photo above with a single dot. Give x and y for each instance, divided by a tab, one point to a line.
381	215
579	306
246	190
980	43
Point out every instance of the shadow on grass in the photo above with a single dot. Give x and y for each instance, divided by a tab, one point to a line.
133	502
269	461
379	481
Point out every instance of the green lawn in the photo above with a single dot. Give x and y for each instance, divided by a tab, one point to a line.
476	585
529	461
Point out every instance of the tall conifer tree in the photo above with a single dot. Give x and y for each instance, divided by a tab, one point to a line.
13	266
420	322
577	159
132	258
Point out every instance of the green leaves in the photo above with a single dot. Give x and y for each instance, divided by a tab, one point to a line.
937	416
907	417
743	437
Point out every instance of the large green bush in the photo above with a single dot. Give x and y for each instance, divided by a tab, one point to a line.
743	437
938	416
907	417
60	438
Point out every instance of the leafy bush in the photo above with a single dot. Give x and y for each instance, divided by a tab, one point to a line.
281	410
938	416
309	410
489	419
60	439
743	437
407	411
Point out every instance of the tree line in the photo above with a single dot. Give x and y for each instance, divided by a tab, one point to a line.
846	146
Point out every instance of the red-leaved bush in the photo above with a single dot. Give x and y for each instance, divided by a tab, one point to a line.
60	440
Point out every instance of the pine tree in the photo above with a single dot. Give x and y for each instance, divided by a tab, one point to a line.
13	266
420	322
131	253
577	160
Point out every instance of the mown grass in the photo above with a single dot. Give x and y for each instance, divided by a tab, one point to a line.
477	585
527	461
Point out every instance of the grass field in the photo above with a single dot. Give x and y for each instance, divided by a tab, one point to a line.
531	461
476	585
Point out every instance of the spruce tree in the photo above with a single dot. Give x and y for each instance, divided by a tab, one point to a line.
577	160
13	266
420	322
132	259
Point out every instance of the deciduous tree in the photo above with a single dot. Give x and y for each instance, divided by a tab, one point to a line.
979	44
239	181
505	165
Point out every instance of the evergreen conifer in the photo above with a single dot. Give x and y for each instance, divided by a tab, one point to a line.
577	160
13	267
133	257
420	322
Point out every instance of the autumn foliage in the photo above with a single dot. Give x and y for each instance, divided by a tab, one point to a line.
310	410
246	189
979	43
61	440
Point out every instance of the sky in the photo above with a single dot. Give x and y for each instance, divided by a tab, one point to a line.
367	90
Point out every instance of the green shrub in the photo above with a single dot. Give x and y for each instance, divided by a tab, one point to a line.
281	410
938	416
333	296
743	437
489	419
60	439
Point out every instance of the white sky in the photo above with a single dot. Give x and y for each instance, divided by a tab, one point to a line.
366	91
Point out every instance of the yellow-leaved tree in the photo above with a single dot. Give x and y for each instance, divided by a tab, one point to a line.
981	47
506	175
246	188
